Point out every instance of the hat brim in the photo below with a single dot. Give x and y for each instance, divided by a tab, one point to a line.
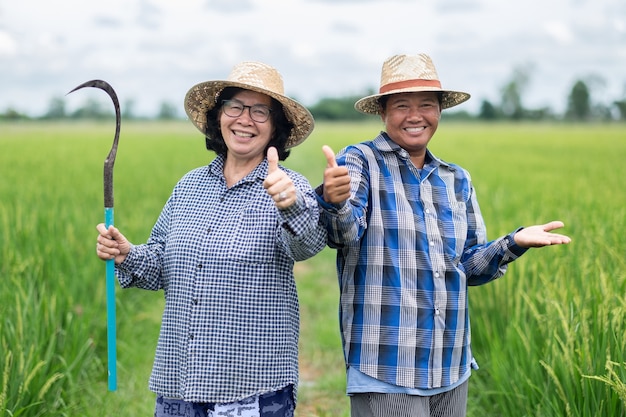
449	98
202	97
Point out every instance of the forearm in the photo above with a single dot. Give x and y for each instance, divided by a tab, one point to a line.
487	262
301	234
141	269
343	222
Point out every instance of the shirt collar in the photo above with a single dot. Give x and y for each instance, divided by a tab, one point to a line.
216	168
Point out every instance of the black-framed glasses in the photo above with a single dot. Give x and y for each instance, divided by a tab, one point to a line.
235	108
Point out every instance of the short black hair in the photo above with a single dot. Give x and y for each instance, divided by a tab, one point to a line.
213	135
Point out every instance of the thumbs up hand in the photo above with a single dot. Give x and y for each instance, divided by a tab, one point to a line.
336	179
277	184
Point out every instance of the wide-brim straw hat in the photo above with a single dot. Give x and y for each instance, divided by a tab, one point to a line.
254	76
409	74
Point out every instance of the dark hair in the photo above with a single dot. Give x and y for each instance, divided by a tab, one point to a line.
382	100
282	126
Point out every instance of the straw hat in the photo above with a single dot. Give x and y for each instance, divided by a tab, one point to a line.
254	76
407	74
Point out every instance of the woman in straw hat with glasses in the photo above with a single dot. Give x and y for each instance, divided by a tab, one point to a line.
410	238
223	251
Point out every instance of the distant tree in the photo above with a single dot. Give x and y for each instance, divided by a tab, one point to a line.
128	109
12	115
621	109
512	101
458	115
513	90
620	105
92	109
579	102
167	111
487	111
56	109
337	108
542	113
602	112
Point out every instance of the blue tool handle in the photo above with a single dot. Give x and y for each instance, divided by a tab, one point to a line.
111	321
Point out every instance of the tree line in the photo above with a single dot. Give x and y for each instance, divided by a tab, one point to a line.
580	106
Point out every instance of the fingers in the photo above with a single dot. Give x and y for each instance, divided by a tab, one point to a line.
283	193
272	160
336	185
331	162
556	238
101	228
112	233
107	247
553	225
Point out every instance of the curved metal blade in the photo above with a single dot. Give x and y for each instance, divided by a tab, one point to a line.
110	160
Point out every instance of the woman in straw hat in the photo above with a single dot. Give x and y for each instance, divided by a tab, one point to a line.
410	239
223	251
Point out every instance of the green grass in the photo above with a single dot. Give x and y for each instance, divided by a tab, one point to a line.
550	336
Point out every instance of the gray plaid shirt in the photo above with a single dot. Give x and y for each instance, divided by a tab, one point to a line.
224	258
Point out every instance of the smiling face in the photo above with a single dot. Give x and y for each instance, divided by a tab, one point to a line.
411	120
246	139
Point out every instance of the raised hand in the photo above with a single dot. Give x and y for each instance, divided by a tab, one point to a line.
539	235
277	183
336	179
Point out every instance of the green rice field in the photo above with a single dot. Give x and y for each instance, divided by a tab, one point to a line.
550	336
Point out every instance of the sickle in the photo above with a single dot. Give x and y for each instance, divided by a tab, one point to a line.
108	220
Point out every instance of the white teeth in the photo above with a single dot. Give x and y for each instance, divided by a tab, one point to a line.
242	134
414	129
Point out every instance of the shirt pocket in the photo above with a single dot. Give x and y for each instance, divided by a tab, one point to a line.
455	232
254	237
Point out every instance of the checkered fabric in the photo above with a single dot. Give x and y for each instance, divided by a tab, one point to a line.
409	242
224	258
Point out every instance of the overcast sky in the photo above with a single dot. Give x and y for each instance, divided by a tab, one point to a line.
153	51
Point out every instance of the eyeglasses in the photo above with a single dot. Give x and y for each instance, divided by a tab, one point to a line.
235	108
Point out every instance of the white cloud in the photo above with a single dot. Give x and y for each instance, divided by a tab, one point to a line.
8	46
560	32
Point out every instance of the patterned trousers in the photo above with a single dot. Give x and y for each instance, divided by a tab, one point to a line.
273	404
447	404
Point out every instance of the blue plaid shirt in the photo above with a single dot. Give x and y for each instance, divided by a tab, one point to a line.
224	258
409	242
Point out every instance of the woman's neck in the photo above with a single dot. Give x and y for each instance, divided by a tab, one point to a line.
235	169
